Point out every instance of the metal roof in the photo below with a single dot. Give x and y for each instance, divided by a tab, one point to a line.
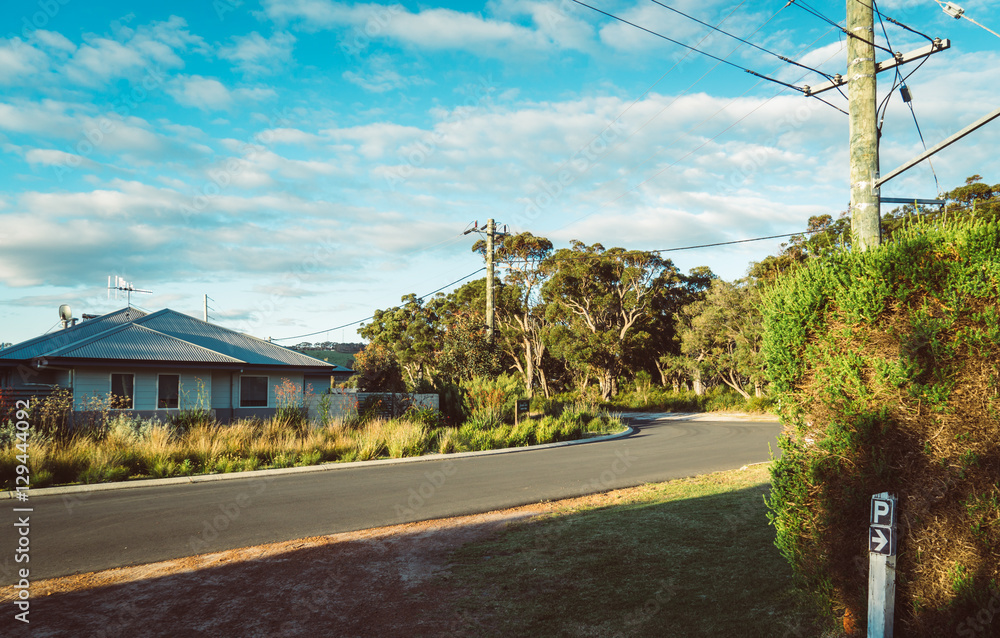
132	335
136	343
229	342
43	345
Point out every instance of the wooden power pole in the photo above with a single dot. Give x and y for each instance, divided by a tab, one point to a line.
491	230
866	228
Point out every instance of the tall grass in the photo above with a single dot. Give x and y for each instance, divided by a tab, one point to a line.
129	448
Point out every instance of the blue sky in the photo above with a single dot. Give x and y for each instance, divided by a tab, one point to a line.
304	162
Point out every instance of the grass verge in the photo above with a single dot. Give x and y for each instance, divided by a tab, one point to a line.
135	448
692	557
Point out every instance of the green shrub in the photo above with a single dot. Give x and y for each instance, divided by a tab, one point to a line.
883	364
490	402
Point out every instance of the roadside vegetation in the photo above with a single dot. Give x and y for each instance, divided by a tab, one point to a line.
692	557
624	328
886	365
105	444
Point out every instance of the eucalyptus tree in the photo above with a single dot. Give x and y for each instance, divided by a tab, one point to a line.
411	332
600	298
519	308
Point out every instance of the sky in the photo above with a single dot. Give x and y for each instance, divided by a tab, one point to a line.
306	162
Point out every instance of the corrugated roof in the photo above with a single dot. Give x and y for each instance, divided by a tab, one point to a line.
43	345
229	342
133	335
137	343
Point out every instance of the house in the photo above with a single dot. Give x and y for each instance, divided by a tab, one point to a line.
161	362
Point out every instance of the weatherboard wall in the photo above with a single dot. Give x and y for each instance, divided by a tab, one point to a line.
195	387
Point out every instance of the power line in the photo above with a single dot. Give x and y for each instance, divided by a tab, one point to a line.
957	12
680	248
348	325
807	8
747	42
687	46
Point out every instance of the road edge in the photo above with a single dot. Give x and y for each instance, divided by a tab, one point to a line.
324	467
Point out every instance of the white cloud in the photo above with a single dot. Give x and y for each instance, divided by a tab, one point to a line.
19	60
53	157
382	76
54	41
432	29
154	46
256	55
200	92
256	94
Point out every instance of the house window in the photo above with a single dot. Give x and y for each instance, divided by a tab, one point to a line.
123	391
253	392
168	391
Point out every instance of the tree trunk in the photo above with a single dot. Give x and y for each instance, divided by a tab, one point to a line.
734	384
696	381
758	391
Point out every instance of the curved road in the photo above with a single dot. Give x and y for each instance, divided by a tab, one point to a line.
98	530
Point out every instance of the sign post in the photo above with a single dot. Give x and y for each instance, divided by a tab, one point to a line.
523	406
881	565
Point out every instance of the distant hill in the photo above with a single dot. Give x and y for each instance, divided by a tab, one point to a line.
330	356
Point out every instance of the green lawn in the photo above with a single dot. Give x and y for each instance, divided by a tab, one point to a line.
693	557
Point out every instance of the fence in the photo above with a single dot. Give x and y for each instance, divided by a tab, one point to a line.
383	404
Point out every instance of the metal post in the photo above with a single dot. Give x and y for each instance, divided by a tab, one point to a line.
861	86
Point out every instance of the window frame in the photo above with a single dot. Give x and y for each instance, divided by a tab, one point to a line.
267	393
159	378
111	386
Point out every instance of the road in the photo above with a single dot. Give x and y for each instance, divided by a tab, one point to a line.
93	531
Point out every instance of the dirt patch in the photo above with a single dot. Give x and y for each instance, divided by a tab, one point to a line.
376	582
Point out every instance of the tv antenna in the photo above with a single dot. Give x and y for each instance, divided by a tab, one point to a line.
124	286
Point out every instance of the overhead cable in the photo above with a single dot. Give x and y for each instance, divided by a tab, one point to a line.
747	42
353	323
807	8
687	46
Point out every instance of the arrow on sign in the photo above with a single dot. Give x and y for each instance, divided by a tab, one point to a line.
879	540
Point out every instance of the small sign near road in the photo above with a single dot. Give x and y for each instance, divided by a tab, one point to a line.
523	405
882	540
883	512
881	565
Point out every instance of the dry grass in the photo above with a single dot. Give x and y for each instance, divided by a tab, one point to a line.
136	448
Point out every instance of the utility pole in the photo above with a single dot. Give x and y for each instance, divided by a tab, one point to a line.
491	230
866	227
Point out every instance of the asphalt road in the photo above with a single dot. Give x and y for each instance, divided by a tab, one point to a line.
98	530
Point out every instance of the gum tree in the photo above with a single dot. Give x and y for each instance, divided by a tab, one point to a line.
599	297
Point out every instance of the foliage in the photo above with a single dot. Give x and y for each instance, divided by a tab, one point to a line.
410	332
290	402
722	334
598	297
490	402
884	366
132	447
377	370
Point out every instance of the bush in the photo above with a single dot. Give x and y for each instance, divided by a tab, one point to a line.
490	402
884	367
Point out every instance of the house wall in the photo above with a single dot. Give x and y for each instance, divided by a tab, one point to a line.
195	387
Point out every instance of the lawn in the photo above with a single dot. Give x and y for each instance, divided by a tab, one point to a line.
693	557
